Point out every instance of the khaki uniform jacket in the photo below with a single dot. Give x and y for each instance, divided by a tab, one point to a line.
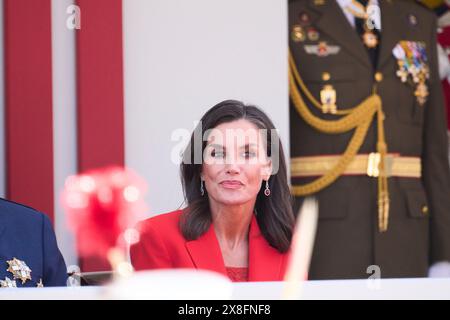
348	240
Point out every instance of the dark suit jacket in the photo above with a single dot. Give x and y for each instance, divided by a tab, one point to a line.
163	246
27	235
348	240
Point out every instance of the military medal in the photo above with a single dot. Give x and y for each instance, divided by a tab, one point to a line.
328	99
421	93
413	68
370	39
19	270
304	18
298	34
8	283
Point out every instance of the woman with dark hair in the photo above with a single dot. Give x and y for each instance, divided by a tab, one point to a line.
238	220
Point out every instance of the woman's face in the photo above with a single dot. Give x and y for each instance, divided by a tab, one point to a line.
235	162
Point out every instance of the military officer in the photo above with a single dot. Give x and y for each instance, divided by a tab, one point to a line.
368	136
29	255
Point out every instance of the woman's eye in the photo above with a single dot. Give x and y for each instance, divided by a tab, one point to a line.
217	154
249	154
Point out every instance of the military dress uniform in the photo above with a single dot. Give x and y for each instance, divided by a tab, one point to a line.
29	255
368	138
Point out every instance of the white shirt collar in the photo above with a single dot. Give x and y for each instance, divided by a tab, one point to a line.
351	18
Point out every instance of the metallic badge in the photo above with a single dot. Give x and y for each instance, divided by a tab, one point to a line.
421	93
40	284
298	34
322	49
8	283
412	64
328	99
313	34
19	269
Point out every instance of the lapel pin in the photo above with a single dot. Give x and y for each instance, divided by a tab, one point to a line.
305	19
313	34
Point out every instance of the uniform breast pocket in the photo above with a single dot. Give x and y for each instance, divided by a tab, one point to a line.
328	73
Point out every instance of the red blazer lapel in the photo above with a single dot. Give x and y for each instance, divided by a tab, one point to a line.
205	252
265	263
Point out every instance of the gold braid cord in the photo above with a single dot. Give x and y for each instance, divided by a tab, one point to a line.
358	119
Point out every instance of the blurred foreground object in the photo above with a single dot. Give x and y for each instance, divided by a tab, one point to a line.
184	284
302	247
103	206
440	270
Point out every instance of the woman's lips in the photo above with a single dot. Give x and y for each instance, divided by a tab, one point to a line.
231	184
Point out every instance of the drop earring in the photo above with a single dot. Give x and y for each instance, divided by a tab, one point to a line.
202	190
267	190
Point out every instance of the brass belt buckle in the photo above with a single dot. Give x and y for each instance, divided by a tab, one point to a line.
373	164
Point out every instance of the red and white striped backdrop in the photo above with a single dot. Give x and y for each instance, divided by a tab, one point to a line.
34	33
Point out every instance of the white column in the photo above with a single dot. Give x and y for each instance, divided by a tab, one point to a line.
64	118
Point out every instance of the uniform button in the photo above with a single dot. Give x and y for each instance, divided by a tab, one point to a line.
425	210
378	77
326	76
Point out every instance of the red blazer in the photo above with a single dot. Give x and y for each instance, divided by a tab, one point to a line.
162	246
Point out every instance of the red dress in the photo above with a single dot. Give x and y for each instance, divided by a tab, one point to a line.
237	274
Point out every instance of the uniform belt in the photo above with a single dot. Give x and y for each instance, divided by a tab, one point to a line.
362	164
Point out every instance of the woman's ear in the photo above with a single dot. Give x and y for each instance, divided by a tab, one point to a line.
267	170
